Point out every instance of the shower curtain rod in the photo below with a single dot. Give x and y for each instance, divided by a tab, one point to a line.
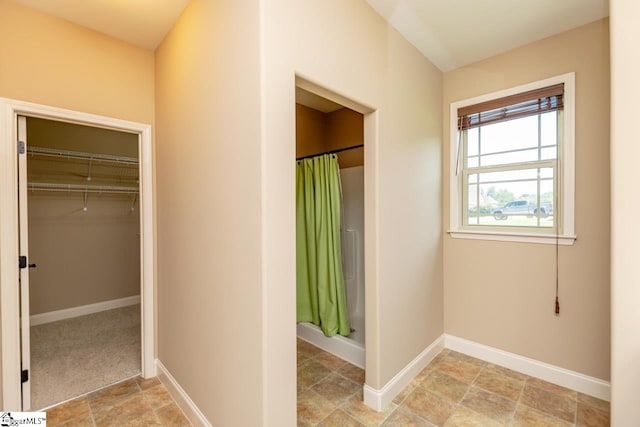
353	147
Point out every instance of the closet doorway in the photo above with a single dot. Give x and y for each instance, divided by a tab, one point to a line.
83	314
84	238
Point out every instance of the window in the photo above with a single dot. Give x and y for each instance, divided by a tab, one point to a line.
512	163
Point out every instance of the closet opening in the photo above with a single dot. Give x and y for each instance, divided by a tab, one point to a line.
77	309
84	247
330	248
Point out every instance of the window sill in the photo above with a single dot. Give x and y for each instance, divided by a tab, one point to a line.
513	237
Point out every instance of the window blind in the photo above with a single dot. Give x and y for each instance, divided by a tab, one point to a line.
512	107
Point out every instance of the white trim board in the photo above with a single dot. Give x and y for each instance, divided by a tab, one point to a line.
68	313
184	402
553	374
379	399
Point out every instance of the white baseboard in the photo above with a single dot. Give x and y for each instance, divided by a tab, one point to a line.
184	402
68	313
379	399
342	347
553	374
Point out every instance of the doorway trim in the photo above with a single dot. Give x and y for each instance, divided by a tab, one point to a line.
9	289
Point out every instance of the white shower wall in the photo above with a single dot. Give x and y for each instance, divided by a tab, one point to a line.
353	247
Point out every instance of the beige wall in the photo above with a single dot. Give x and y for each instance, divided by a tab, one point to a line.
345	128
74	137
82	257
50	61
625	246
356	54
502	294
318	132
310	131
210	290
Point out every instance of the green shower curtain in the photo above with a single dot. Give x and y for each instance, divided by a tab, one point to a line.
321	297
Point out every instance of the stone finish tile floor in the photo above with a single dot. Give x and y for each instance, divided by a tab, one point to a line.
133	402
453	390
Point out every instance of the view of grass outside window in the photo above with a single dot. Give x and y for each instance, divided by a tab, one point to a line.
509	164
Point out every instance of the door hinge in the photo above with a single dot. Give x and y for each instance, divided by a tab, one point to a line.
22	261
20	147
24	375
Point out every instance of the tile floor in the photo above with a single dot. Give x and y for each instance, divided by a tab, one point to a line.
133	402
454	390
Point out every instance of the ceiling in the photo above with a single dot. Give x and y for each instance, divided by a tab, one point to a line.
143	23
316	102
451	33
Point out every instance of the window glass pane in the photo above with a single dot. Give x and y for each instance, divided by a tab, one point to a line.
472	202
516	198
518	174
546	172
509	158
549	153
472	142
510	135
549	128
547	202
547	197
472	162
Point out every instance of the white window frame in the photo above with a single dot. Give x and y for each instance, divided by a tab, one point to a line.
566	170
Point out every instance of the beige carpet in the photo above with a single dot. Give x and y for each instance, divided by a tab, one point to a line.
74	356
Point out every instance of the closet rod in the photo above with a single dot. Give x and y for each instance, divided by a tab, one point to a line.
80	188
338	150
53	152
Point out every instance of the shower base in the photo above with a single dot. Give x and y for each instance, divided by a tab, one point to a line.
345	348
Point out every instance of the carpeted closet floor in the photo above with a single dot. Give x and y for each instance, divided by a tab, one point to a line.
75	356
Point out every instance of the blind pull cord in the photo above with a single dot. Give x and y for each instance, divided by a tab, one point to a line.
460	120
557	279
555	219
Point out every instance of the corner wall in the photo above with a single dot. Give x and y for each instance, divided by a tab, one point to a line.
625	246
344	46
210	328
318	133
501	294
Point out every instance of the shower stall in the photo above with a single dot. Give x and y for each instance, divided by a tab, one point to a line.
352	347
